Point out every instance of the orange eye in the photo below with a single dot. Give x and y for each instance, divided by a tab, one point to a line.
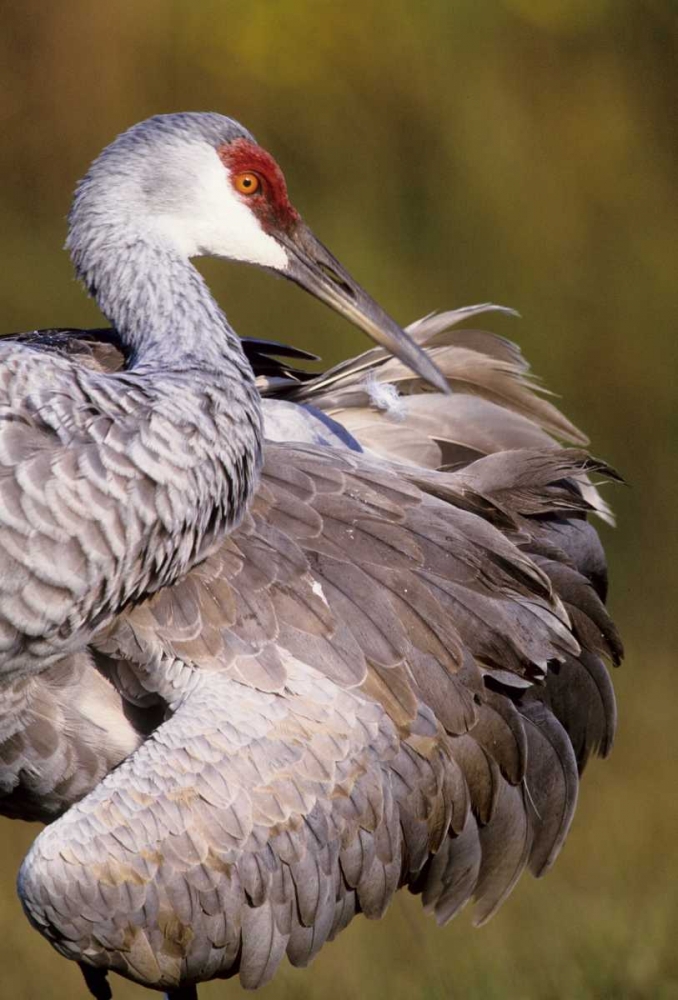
247	183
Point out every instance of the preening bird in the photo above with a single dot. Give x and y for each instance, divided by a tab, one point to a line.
274	644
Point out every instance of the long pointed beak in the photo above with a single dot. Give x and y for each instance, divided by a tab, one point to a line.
312	266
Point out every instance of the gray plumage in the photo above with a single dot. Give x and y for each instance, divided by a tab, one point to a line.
114	485
380	664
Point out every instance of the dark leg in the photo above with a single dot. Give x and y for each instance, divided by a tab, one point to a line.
97	984
96	981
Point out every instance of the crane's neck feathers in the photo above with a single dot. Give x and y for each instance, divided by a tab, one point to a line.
155	197
159	304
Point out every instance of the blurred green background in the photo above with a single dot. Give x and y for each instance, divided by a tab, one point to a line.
521	151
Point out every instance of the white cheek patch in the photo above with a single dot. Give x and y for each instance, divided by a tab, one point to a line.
208	218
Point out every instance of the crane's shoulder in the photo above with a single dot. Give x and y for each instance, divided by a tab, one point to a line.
91	470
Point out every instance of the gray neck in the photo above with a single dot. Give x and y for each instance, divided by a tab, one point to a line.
180	345
160	306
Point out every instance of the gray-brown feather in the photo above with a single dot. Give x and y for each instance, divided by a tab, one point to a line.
107	492
350	690
61	732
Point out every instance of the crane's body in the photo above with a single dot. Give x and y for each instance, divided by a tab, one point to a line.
276	645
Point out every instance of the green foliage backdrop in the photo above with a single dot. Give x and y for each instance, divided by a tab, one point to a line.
449	151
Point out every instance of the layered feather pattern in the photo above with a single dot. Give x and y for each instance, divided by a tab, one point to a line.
390	674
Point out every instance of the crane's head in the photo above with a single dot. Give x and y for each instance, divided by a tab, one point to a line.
200	184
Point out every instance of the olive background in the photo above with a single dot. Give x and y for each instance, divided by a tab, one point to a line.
449	152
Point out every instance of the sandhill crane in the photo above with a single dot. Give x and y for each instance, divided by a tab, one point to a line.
255	686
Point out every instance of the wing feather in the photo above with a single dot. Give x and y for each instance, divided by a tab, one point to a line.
347	685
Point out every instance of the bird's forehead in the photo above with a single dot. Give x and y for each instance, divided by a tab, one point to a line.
241	155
